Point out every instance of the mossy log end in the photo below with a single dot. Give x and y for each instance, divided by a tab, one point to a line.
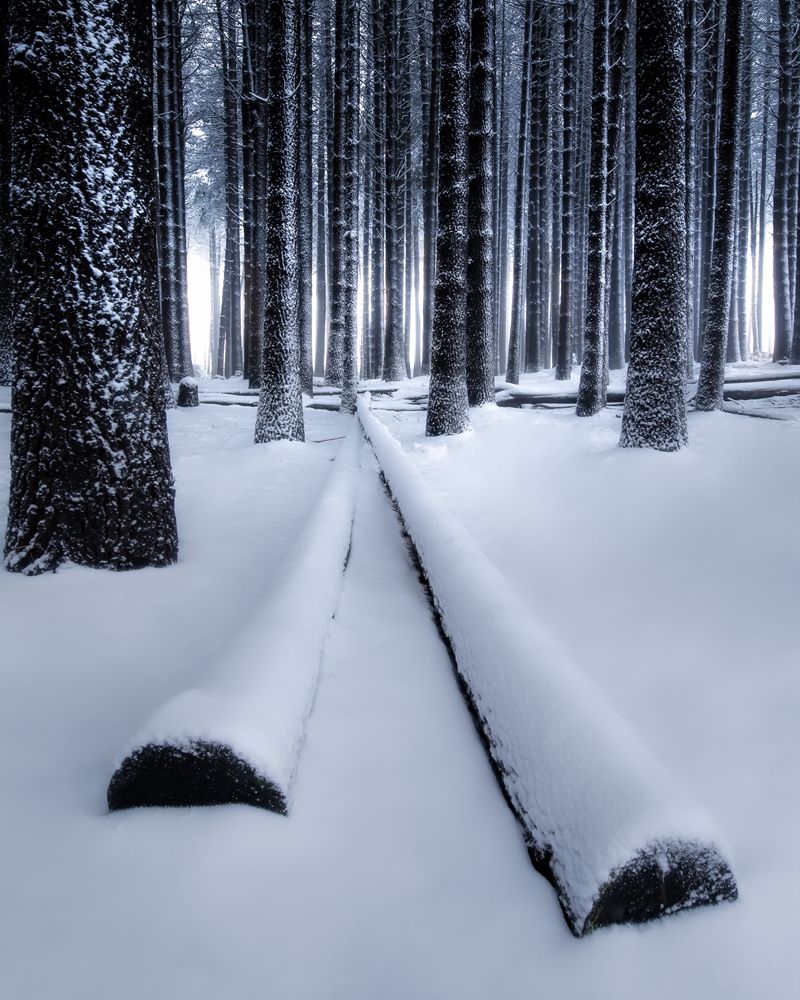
201	773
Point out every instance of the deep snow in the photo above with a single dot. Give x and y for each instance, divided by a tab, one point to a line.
401	874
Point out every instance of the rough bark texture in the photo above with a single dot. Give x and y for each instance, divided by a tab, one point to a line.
655	407
90	473
170	158
480	221
591	390
447	400
280	404
6	244
344	289
718	307
566	317
780	211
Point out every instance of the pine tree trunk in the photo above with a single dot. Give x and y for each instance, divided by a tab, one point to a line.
91	480
321	283
513	360
306	207
431	174
447	401
344	292
591	390
712	367
655	408
393	359
280	403
568	196
6	242
480	238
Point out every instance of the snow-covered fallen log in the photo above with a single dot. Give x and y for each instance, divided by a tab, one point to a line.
604	822
237	736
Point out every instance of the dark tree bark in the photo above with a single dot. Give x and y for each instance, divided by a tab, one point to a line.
306	207
447	401
378	256
431	175
344	292
6	243
514	339
712	368
229	349
321	246
591	390
655	407
569	196
394	368
280	403
172	205
480	223
90	471
780	210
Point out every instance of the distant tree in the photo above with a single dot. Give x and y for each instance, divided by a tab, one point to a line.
569	196
344	290
655	407
447	401
171	158
782	275
720	292
280	403
90	470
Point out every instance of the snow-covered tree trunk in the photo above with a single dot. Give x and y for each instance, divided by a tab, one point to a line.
655	406
306	203
712	367
378	166
431	175
321	247
394	368
280	403
566	314
346	163
172	209
229	349
591	390
480	239
447	401
6	243
745	174
90	472
515	333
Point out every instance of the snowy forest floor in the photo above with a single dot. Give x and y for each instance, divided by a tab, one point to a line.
400	873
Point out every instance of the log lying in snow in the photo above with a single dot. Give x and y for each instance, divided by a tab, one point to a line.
237	737
606	824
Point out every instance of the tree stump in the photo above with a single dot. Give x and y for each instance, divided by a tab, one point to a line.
187	393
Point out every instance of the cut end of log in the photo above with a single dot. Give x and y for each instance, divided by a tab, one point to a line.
199	774
664	878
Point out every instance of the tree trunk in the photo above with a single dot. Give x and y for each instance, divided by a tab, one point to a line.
280	403
655	408
712	367
90	471
345	189
6	242
447	401
480	237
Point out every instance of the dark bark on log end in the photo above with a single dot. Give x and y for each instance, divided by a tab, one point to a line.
188	394
201	774
664	878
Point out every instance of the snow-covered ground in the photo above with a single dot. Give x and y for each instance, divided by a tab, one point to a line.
400	873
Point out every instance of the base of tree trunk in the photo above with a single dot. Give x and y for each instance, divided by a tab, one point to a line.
188	394
198	774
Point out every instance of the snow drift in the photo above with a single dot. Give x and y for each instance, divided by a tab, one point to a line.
237	738
609	827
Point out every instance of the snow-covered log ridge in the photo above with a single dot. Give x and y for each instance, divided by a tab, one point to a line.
237	737
609	826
